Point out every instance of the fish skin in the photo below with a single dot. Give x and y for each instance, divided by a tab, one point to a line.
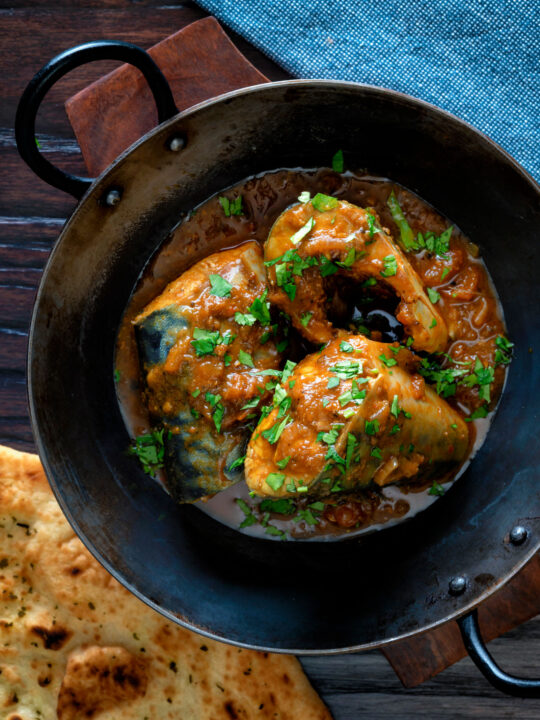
197	457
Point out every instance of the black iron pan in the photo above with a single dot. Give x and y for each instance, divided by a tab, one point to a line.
294	597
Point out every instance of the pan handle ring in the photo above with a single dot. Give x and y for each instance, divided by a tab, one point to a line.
474	643
59	66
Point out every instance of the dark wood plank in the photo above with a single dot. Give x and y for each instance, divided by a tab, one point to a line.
364	686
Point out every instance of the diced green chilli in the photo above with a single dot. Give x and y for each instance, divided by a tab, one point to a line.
406	234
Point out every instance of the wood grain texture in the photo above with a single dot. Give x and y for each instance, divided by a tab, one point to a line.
31	218
199	62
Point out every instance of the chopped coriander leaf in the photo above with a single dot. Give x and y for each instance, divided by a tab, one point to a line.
117	375
445	272
390	266
503	352
333	382
409	342
345	398
350	258
196	393
304	197
352	442
307	516
227	359
337	162
282	464
345	346
389	362
395	429
244	318
275	480
251	403
370	282
272	530
346	369
433	324
480	412
304	230
433	295
273	433
220	286
436	489
237	463
306	317
327	267
437	244
503	343
245	358
371	427
395	406
356	393
331	436
212	399
250	518
324	202
406	234
204	341
332	454
376	453
150	450
196	414
260	309
287	370
283	506
317	506
217	417
233	207
282	345
37	143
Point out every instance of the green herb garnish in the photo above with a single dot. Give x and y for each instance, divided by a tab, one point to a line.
250	518
245	358
205	341
406	234
275	480
150	450
322	203
337	162
231	207
306	317
389	266
237	463
433	295
436	489
220	286
304	230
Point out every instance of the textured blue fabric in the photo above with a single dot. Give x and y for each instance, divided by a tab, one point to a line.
477	59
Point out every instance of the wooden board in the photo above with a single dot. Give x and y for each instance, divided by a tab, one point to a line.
199	62
357	686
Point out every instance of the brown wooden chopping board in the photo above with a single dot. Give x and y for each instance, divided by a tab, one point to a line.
201	62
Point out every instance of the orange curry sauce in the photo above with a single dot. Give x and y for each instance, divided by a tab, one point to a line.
465	298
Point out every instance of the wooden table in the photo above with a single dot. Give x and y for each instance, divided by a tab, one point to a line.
31	217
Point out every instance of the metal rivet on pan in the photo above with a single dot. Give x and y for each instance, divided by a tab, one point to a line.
113	197
457	585
518	535
176	143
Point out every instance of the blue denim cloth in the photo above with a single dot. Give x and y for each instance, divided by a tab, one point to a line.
477	59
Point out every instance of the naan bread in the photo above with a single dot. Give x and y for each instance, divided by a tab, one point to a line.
75	644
